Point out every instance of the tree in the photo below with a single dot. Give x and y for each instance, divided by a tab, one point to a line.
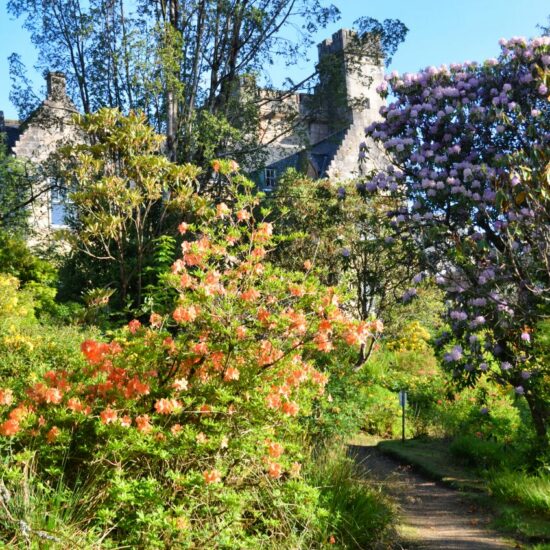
15	191
125	195
346	234
470	145
183	63
199	414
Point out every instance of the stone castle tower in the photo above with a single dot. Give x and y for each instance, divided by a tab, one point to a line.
326	142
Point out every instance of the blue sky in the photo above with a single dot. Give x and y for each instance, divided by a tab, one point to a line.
440	31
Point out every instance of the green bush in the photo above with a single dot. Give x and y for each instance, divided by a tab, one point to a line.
481	453
358	515
531	491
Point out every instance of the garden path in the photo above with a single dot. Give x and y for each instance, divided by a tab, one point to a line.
432	516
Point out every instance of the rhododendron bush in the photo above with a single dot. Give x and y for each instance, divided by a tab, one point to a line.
193	418
469	146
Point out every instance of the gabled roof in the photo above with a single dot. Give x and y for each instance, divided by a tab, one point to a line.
319	155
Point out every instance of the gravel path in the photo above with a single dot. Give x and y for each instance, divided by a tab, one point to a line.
432	516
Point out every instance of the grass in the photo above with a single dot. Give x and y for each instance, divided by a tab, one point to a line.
360	515
520	502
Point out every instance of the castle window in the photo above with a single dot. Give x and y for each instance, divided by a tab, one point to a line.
58	207
270	178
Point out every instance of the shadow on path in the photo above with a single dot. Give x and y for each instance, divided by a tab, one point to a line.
432	515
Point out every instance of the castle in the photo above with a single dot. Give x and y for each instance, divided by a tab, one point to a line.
326	138
322	141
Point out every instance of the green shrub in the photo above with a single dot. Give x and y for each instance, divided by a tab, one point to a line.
358	515
531	491
481	453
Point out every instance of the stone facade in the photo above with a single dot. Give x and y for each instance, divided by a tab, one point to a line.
326	140
34	140
318	133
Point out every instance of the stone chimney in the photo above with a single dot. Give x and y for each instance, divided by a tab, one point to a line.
57	86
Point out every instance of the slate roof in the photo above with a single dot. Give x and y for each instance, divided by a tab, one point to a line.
12	131
319	155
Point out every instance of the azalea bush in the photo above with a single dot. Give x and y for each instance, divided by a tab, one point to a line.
469	150
192	419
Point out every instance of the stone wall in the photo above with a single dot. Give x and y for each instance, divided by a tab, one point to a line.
47	128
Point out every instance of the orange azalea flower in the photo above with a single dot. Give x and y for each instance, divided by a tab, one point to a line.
182	228
351	338
275	450
243	215
274	470
176	429
186	281
19	413
332	540
291	408
200	348
323	343
193	258
108	416
222	210
298	322
231	374
53	395
125	421
216	165
94	351
241	332
258	253
167	406
217	358
250	295
263	315
53	434
74	404
212	476
9	427
185	314
308	265
6	397
205	409
296	290
201	438
319	377
143	424
178	266
155	320
273	401
134	325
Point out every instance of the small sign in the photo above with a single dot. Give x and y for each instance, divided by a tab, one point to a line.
402	398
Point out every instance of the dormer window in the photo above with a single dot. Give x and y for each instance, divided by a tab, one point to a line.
270	179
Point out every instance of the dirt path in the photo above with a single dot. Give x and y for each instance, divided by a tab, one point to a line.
432	515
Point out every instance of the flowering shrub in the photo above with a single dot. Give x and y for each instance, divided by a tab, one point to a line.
470	146
192	418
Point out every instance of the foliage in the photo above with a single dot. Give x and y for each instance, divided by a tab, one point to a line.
350	503
531	491
14	191
347	236
126	196
470	148
194	424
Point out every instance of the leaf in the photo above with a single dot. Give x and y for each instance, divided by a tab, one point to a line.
520	198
